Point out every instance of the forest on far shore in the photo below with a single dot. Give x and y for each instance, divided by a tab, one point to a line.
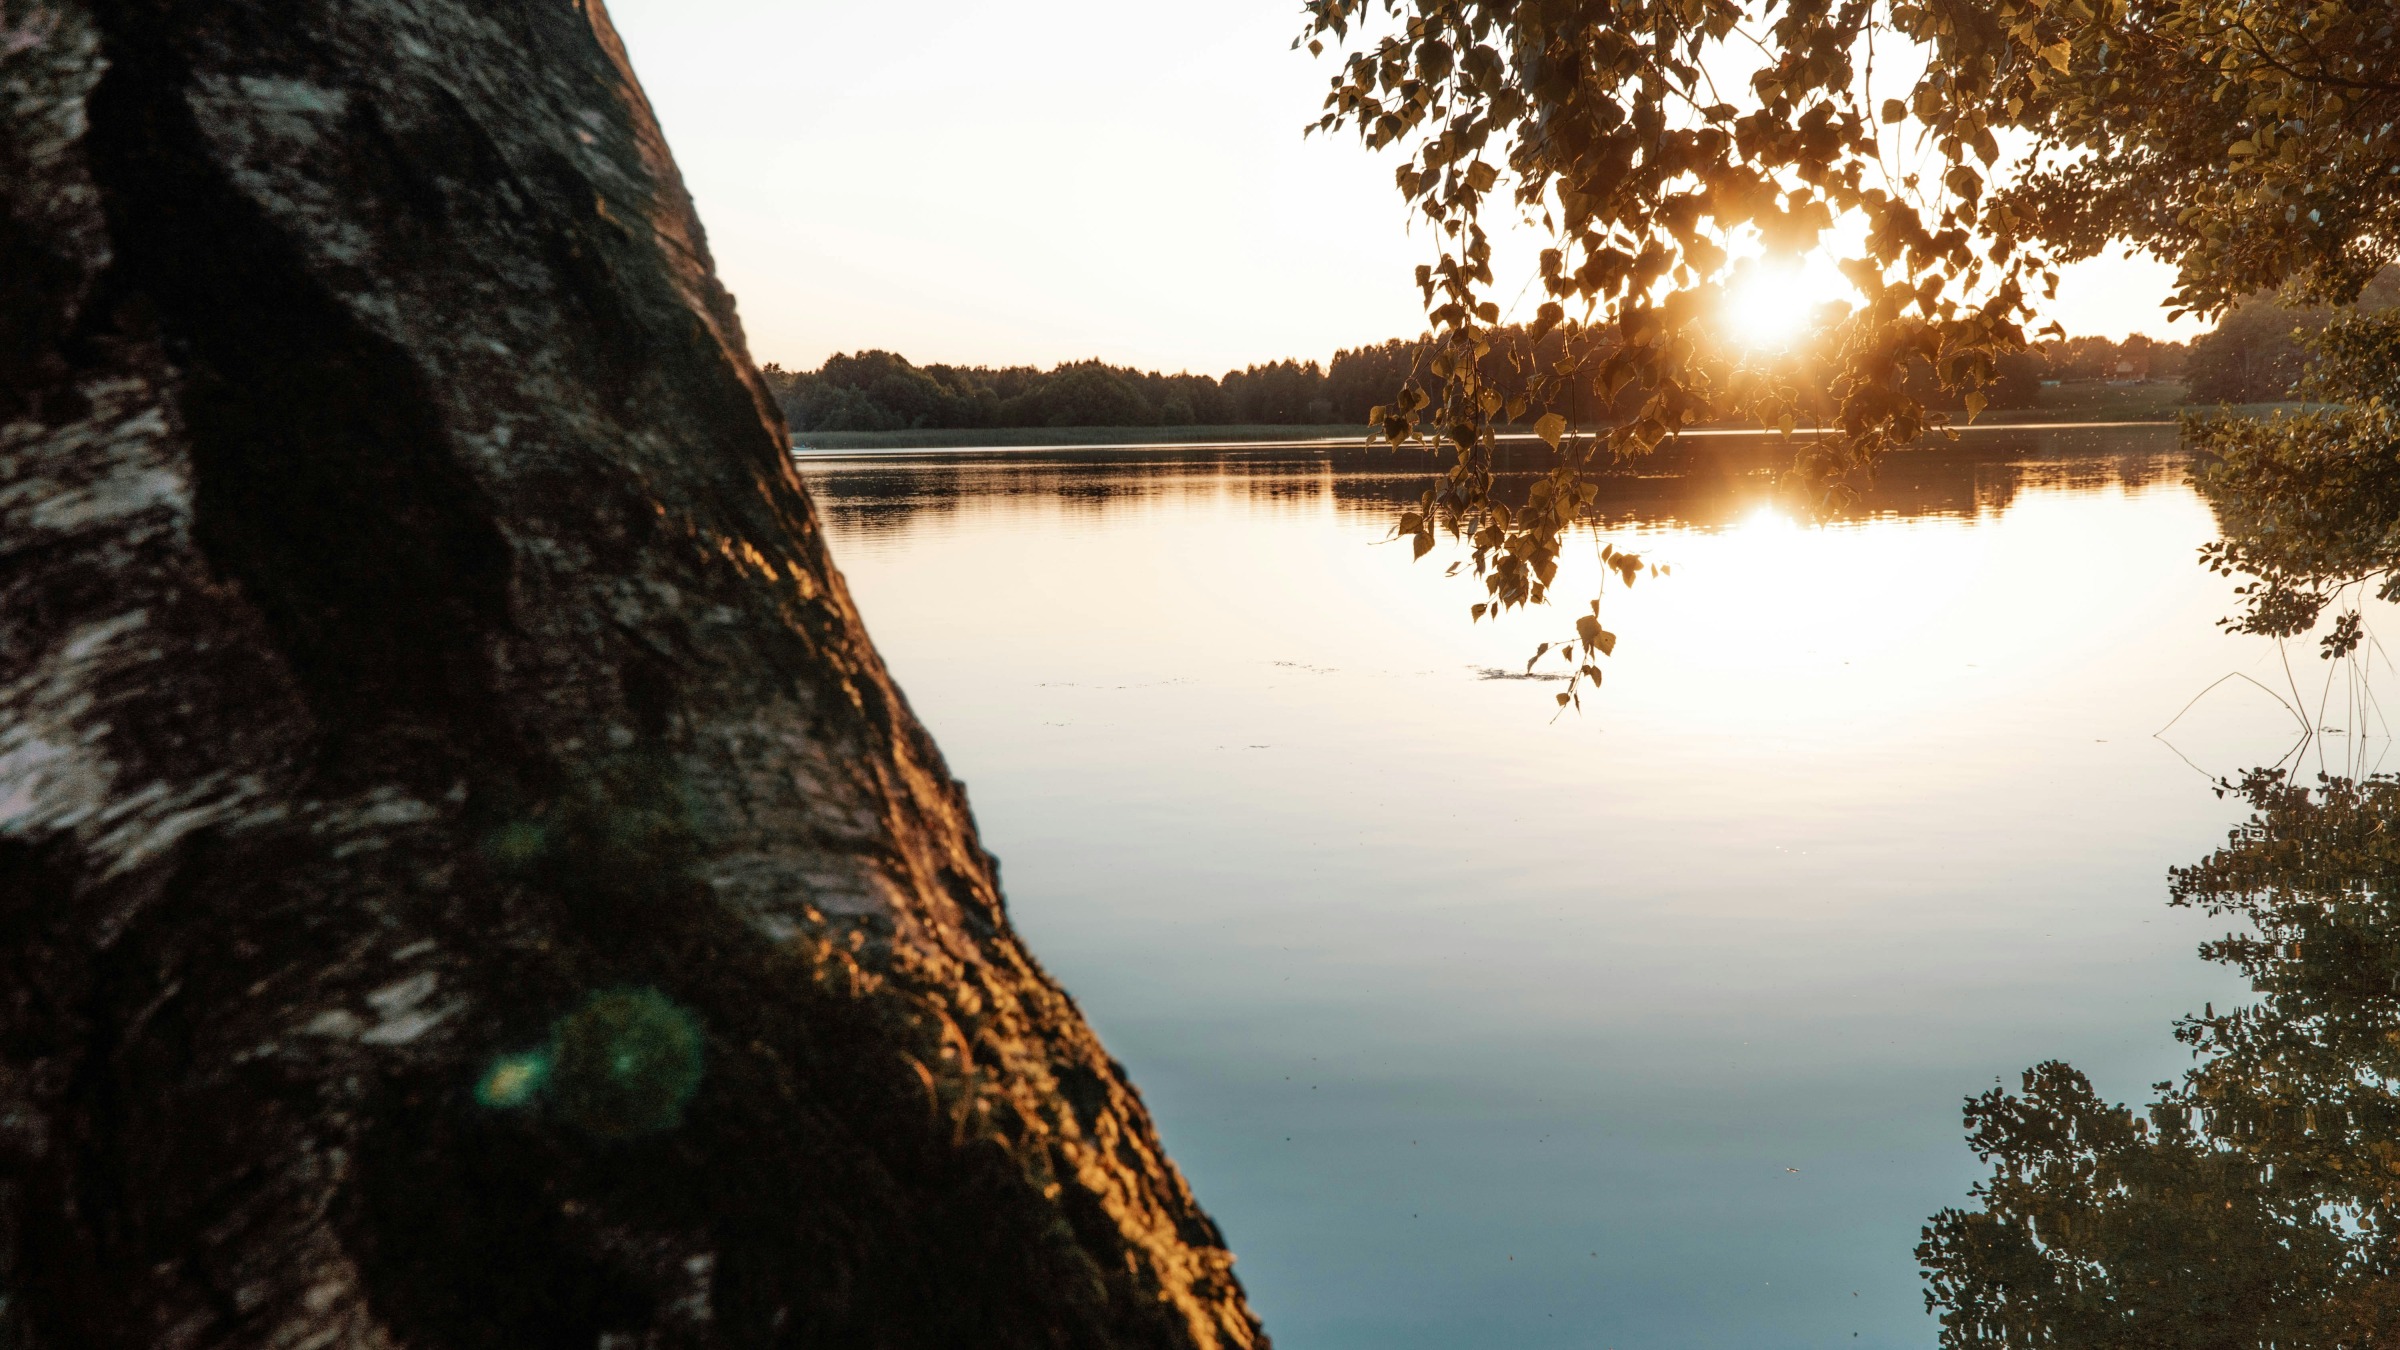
2254	355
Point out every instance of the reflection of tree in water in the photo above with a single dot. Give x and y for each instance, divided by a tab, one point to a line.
2257	1201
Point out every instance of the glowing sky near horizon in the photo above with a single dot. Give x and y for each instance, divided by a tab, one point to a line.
1061	179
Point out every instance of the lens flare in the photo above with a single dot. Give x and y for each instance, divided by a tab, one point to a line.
514	1080
626	1063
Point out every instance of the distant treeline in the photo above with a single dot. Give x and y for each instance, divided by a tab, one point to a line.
2251	357
880	391
2254	355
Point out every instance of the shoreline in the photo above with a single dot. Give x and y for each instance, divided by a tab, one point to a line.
836	444
869	444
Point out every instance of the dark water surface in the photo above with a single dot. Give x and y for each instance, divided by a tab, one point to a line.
1645	1027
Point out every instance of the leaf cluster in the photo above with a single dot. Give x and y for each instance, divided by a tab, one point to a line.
2251	144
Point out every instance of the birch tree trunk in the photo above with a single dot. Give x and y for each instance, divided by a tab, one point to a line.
414	642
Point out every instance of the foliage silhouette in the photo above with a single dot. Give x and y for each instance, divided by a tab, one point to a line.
1655	141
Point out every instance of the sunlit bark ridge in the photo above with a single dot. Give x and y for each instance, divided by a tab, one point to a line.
467	877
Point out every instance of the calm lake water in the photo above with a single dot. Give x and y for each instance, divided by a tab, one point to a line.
1648	1026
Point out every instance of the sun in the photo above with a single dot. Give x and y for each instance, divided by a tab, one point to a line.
1768	307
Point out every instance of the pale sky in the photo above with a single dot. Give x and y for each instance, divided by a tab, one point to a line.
1051	180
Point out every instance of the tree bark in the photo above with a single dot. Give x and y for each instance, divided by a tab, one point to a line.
414	640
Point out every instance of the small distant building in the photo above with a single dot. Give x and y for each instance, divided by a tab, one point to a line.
2052	384
2128	371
